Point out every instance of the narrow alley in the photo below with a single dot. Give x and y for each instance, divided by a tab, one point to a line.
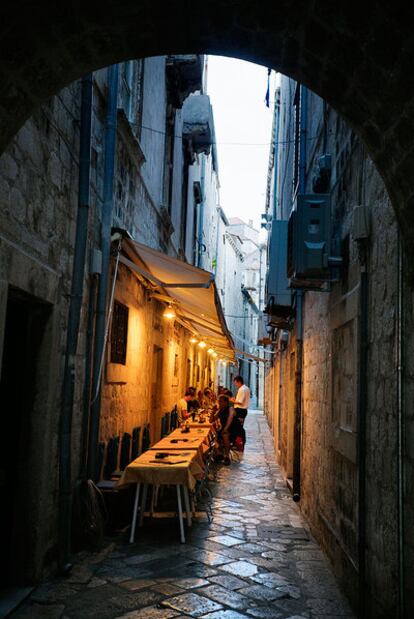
257	559
207	212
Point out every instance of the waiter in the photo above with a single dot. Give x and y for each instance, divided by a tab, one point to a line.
241	402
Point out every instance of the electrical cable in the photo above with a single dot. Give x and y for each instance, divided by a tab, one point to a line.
108	321
271	143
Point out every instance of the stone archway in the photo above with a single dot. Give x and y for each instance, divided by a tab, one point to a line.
358	58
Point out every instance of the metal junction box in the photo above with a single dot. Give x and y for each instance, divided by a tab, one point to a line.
278	294
309	238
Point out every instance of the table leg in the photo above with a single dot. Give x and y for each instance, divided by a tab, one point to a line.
154	490
143	503
180	514
187	505
134	513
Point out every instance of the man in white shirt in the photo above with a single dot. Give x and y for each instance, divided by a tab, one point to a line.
241	402
242	399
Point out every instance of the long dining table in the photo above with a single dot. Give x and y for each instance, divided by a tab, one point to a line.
177	459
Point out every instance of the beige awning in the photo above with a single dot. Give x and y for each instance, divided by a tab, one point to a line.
191	290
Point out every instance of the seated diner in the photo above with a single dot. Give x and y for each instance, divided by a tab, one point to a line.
183	406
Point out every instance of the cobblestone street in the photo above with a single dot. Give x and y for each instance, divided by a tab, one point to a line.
256	560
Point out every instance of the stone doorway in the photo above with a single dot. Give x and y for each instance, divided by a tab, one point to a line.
20	387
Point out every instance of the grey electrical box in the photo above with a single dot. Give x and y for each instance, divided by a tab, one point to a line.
360	223
278	294
95	265
309	238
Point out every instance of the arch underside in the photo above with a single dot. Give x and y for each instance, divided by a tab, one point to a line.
358	58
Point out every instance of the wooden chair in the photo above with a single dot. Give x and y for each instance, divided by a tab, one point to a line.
111	462
125	457
136	443
146	438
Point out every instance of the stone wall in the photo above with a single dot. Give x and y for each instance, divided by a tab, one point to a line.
38	200
331	349
131	395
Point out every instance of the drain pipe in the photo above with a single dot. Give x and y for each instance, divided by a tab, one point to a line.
276	154
201	212
361	447
300	294
93	286
75	307
101	305
362	398
297	428
400	429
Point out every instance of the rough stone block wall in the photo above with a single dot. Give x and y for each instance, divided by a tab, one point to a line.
408	446
382	481
329	462
38	201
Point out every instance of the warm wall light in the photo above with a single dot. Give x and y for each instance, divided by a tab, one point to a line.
202	344
214	354
193	340
210	351
169	312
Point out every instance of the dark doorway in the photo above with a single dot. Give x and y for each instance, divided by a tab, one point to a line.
24	335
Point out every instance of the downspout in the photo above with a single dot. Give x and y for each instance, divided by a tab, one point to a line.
400	430
361	424
297	431
75	307
276	155
274	217
101	305
201	212
297	428
83	472
362	402
279	403
218	210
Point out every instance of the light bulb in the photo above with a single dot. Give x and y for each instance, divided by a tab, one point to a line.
202	344
193	340
169	312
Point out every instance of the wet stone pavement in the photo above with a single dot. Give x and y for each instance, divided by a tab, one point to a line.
256	560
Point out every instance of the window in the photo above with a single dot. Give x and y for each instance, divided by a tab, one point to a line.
131	92
119	333
127	75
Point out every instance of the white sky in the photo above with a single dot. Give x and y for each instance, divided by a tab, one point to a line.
237	92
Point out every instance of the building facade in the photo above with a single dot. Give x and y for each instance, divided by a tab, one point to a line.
336	312
87	357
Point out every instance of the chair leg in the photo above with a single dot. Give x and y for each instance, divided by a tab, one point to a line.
134	514
180	514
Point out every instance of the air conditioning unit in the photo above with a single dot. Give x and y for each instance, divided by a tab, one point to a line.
309	239
278	294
